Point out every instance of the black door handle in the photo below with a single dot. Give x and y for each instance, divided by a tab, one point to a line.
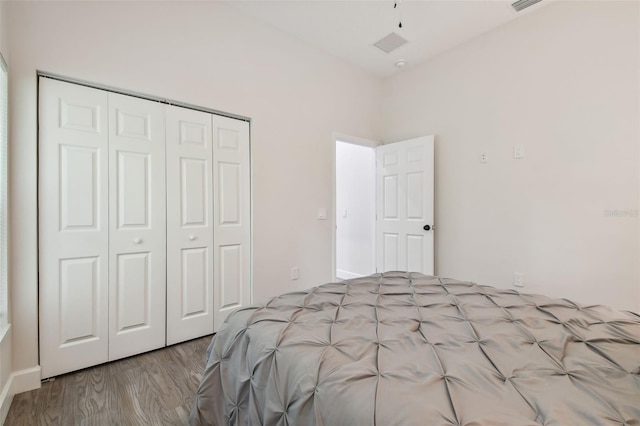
426	227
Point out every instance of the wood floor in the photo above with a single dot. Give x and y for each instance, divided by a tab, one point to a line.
156	388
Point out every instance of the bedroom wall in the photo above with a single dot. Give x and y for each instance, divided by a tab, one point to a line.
6	393
204	53
563	82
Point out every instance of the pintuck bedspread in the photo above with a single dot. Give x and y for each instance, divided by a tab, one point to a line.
409	349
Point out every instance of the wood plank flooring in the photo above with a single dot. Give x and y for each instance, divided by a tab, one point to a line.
156	388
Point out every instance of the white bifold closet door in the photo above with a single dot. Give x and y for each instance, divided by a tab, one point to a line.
232	216
144	224
137	231
73	226
189	224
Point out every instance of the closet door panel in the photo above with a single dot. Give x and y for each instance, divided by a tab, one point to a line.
133	291
232	216
230	276
78	308
189	225
137	233
73	227
78	187
134	182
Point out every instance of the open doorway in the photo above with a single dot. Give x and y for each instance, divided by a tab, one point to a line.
355	208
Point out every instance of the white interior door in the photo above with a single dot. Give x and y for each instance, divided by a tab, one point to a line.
189	225
73	227
404	206
137	236
232	216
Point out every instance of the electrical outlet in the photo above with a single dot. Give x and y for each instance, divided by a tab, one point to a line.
518	279
484	157
295	273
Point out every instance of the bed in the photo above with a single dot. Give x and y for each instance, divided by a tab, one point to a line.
408	349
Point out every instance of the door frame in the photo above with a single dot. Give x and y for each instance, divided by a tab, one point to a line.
341	137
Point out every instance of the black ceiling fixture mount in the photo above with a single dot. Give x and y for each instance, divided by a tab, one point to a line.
396	5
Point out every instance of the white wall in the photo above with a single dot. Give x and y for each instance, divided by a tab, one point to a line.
355	193
564	83
204	53
6	393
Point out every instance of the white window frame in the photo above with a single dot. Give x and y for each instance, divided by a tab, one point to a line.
4	196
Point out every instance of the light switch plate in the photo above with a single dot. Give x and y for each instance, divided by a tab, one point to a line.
518	152
322	213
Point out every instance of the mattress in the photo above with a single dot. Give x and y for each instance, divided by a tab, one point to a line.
409	349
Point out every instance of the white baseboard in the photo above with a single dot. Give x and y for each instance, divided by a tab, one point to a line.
18	382
6	395
26	380
6	398
346	275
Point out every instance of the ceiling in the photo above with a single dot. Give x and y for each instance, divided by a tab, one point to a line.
348	29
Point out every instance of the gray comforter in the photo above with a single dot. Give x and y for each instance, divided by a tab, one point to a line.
409	349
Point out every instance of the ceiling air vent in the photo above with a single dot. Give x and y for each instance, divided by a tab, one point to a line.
391	42
523	4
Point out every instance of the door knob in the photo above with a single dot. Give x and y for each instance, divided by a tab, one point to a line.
426	227
137	240
192	237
